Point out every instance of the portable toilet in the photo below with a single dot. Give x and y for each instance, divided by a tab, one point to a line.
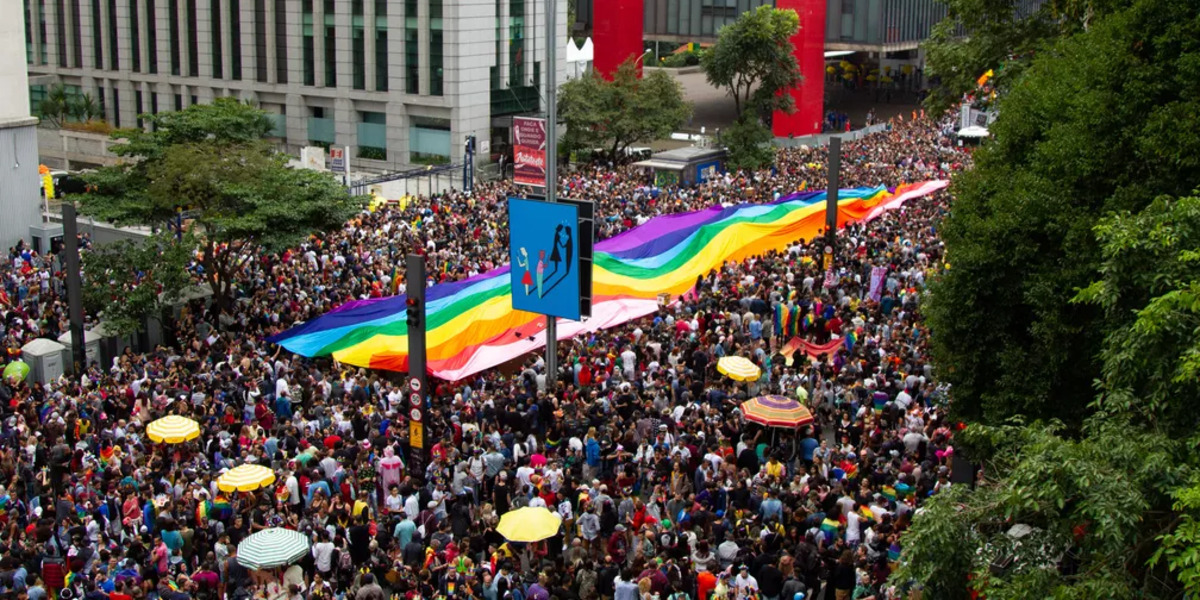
45	359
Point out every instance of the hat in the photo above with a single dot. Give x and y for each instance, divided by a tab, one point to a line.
431	504
620	527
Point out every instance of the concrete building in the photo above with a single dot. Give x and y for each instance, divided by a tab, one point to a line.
19	199
401	82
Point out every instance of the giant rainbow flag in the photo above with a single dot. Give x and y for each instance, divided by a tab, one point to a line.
471	325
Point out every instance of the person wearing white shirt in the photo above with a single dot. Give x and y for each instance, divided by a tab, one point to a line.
322	552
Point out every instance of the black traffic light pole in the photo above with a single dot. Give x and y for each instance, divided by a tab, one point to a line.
418	390
74	287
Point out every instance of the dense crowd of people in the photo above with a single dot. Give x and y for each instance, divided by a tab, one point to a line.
637	442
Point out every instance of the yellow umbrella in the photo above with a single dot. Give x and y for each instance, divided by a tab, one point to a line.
173	429
529	524
246	478
739	368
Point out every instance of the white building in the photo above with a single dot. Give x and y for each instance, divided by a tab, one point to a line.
20	204
399	81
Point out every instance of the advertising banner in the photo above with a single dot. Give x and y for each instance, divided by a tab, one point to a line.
529	151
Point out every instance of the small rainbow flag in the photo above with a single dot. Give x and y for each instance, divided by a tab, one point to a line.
881	400
221	508
894	552
903	490
889	492
851	340
830	528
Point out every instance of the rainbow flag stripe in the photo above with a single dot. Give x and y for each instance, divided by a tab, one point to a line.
471	325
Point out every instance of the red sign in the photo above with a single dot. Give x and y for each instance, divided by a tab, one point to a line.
529	151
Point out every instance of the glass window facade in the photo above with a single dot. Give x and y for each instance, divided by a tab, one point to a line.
173	34
151	37
235	34
412	64
193	40
218	56
372	135
309	52
260	40
330	31
97	37
516	43
135	36
281	37
436	59
381	45
358	46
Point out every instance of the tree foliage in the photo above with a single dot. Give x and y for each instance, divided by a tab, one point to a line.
749	143
1055	517
1099	123
126	282
240	195
753	59
999	35
60	106
1149	290
615	114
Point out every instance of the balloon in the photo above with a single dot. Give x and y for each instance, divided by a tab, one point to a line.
16	370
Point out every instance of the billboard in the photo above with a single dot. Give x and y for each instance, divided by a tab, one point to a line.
529	151
544	250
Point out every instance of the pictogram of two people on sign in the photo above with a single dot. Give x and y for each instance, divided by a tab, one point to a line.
561	253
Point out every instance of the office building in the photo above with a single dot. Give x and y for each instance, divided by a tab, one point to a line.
400	82
19	199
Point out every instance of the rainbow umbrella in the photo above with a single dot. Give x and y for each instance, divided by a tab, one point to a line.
246	478
738	368
776	411
173	429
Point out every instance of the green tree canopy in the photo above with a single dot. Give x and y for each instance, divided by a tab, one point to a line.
753	59
126	282
238	192
1104	121
615	114
1054	517
749	143
999	35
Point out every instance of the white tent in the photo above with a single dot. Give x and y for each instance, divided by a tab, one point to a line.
973	131
579	60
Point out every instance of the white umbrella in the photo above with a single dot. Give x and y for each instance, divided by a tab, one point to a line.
274	547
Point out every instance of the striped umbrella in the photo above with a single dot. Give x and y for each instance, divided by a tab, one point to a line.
246	478
776	411
274	547
173	429
739	368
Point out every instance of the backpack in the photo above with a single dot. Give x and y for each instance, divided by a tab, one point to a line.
344	562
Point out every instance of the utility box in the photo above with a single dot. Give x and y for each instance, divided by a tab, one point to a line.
45	359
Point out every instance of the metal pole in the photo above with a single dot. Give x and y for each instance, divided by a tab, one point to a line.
831	200
414	289
551	167
74	286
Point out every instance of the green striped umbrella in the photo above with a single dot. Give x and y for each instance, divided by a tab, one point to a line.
273	547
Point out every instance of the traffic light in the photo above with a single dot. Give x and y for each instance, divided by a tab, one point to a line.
414	312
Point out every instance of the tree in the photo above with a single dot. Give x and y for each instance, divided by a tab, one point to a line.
1055	517
615	114
753	58
749	143
60	106
1149	291
240	194
1096	124
127	282
1000	35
